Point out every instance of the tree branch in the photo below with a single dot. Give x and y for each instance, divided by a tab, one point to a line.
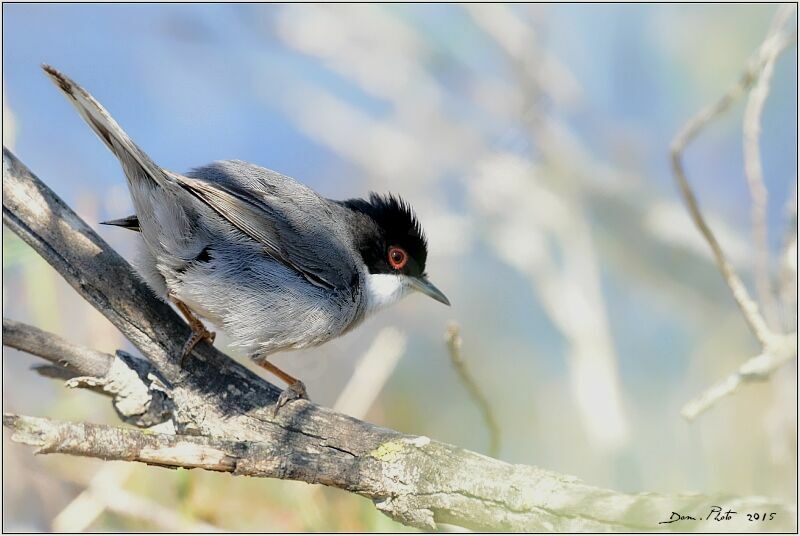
140	394
544	500
55	349
89	265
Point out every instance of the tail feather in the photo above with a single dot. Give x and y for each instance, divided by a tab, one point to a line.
130	155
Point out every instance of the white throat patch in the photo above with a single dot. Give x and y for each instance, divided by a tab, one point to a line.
384	290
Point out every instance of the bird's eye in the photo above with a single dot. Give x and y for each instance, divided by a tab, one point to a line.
397	257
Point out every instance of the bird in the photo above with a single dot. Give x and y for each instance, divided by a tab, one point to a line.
266	259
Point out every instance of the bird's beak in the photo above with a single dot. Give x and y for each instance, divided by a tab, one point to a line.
429	289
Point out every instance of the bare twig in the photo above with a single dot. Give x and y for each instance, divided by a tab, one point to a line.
787	262
776	349
83	510
127	504
55	349
748	307
756	369
769	52
453	338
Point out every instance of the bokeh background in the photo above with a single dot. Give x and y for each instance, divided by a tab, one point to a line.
532	141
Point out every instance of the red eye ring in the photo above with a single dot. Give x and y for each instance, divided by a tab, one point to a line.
397	257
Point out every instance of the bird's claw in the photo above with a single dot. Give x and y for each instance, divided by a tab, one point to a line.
197	335
295	391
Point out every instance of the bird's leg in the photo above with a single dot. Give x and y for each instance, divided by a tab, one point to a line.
295	390
199	331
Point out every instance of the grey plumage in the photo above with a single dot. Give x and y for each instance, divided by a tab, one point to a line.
292	297
269	260
203	231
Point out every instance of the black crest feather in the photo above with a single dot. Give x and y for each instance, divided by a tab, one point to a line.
398	225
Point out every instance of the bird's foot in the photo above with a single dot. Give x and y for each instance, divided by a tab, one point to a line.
295	391
199	333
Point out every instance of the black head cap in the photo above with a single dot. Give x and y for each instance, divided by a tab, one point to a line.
390	224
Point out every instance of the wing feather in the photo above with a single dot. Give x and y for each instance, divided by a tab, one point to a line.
268	219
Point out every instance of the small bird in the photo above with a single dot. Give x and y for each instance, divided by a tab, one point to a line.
268	260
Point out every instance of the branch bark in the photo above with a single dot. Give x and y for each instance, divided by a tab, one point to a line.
544	501
139	393
55	349
222	414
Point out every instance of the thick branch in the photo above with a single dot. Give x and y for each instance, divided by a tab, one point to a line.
109	284
86	262
543	501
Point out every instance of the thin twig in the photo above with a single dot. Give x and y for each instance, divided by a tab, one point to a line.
84	509
58	351
769	52
756	369
746	304
787	289
453	338
776	349
131	505
692	128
